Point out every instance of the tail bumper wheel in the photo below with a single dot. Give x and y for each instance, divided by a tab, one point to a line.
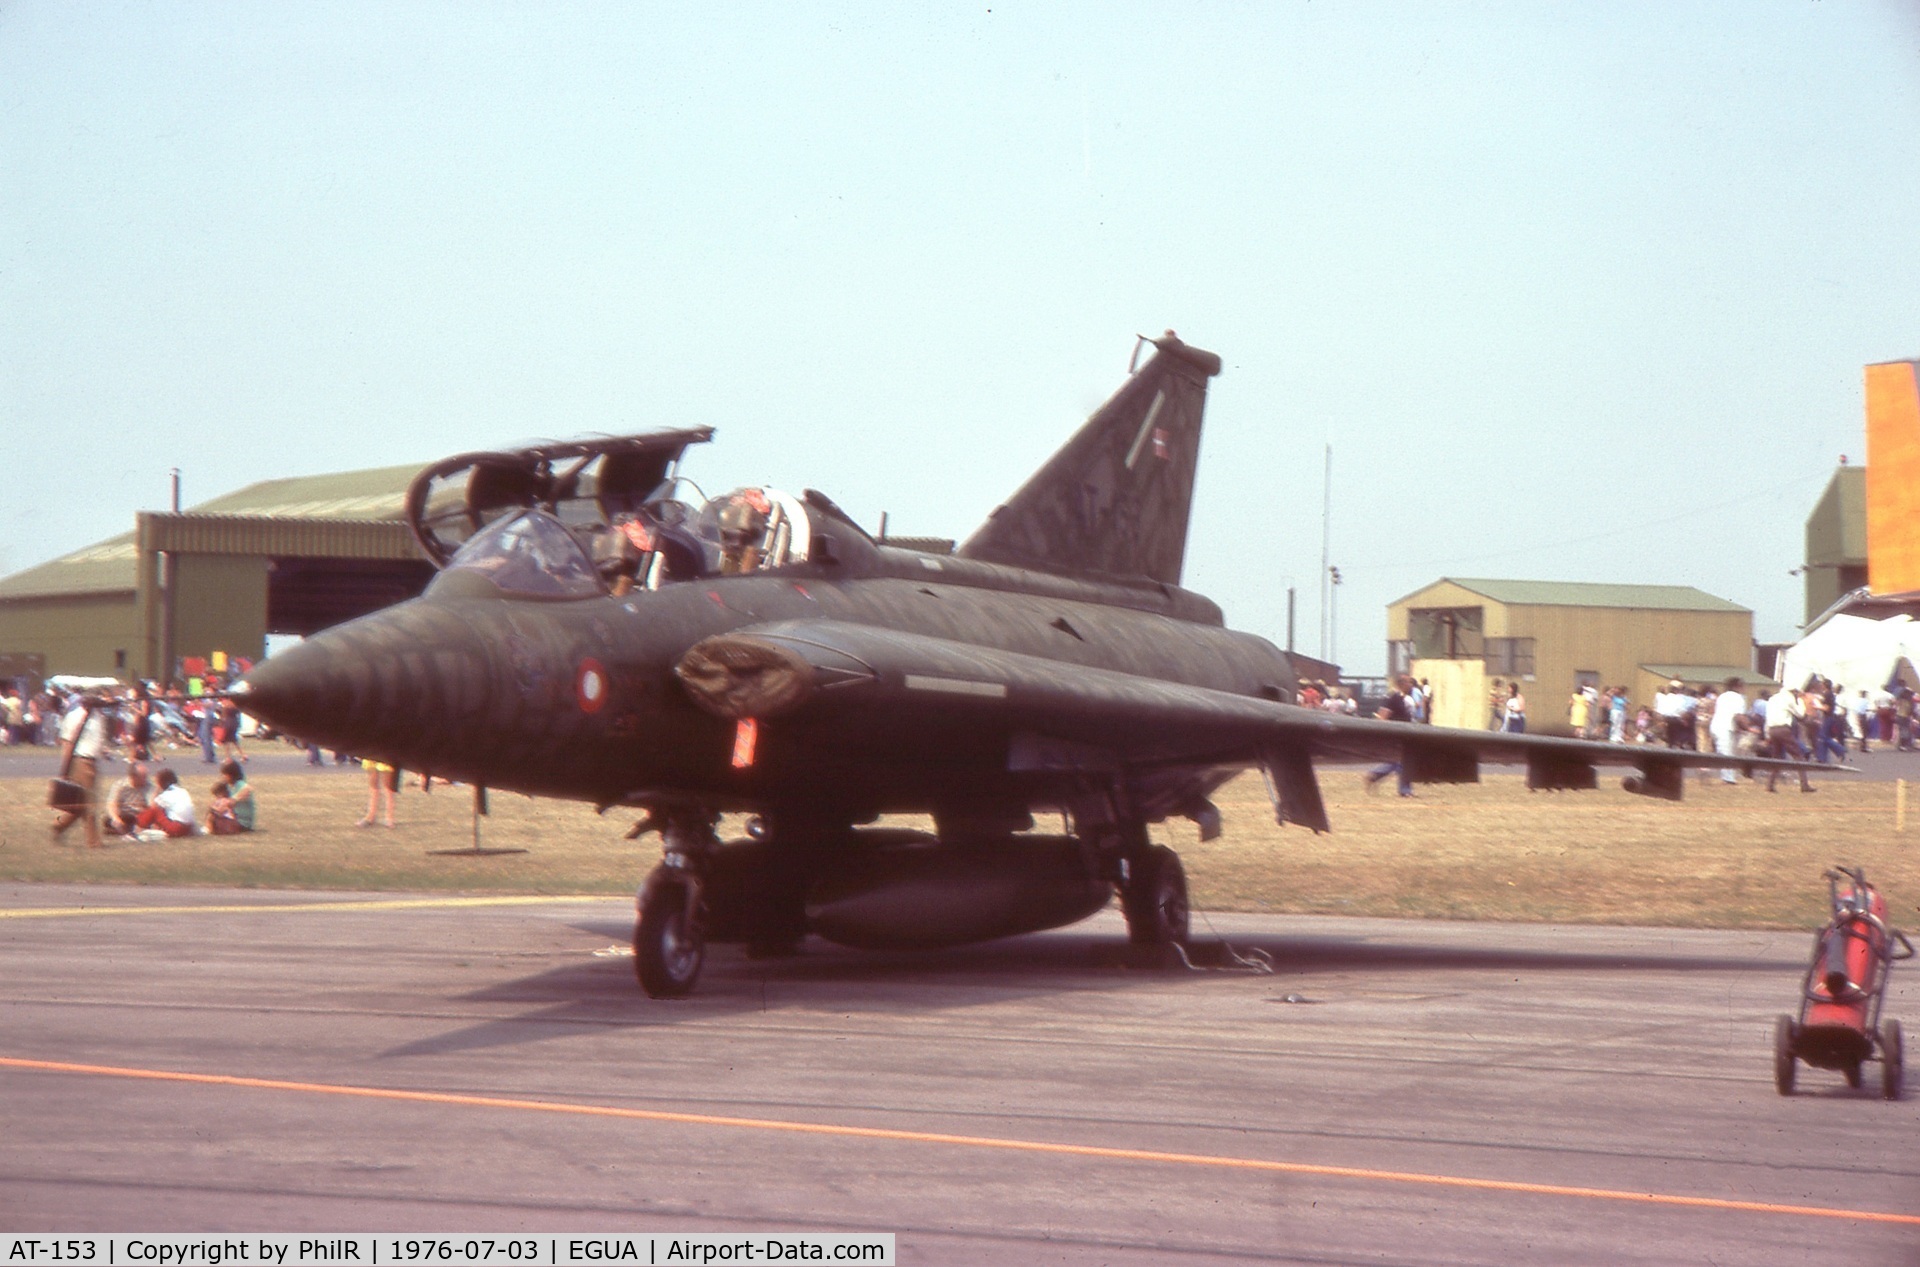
1892	1060
1155	899
669	945
1783	1059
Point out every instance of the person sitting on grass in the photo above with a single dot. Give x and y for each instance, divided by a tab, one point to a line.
233	803
171	813
128	797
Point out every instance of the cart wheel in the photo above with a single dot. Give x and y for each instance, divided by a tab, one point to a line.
1783	1065
1891	1060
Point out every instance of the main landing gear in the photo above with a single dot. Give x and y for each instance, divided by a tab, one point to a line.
1153	895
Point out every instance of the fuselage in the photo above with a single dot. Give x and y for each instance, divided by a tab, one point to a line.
575	695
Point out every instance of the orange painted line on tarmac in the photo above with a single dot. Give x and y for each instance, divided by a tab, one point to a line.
969	1141
375	904
1563	807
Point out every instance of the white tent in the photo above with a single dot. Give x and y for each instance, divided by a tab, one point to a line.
1856	653
80	682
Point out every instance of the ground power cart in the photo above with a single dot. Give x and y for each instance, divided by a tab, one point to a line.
1839	1026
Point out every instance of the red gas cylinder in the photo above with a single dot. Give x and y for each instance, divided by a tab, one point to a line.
1852	956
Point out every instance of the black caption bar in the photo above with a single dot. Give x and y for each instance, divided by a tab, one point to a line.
389	1249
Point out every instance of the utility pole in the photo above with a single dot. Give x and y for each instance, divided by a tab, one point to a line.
1326	532
163	672
1290	597
1333	614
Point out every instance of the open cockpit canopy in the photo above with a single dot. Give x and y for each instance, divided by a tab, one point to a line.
578	482
595	517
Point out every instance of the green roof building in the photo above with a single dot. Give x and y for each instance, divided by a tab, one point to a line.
283	556
1553	637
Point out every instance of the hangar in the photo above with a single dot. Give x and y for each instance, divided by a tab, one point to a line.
1836	561
288	556
1556	636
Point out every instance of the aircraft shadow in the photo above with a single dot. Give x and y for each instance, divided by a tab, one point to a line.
1095	952
602	992
1342	954
823	977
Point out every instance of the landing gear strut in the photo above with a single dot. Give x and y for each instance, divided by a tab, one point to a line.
669	938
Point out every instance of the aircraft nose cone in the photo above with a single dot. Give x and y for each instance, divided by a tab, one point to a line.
285	689
396	685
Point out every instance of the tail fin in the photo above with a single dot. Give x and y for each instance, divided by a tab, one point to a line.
1116	497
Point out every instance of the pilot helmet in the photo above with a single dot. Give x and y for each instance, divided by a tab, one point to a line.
742	524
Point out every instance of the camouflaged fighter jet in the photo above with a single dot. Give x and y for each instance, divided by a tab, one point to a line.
592	635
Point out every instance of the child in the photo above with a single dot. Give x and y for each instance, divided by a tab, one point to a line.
233	803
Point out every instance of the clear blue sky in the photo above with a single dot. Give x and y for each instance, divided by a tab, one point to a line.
1576	292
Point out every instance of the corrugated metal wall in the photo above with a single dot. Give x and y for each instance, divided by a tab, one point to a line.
93	634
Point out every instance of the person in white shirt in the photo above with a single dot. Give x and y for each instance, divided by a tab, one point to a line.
1859	708
171	813
1675	708
1727	707
1784	711
1516	715
84	734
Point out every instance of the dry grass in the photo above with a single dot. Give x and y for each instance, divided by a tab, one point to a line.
1726	857
308	841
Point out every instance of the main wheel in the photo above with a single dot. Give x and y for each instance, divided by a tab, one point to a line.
669	946
1155	898
1783	1061
1892	1073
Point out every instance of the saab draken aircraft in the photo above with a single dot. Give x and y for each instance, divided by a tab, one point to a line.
598	632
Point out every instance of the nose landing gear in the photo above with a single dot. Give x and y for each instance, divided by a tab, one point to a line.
669	936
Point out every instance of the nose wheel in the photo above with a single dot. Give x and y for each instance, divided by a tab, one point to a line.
669	944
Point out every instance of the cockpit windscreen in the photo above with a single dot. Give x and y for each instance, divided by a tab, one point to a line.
530	555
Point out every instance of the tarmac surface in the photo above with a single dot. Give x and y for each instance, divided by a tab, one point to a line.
1397	1091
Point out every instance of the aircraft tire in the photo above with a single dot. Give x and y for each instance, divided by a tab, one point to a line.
1783	1061
1892	1061
1155	900
1852	1073
669	947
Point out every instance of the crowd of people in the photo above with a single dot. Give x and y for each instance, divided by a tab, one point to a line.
139	724
1814	723
145	718
95	725
1317	694
1822	717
